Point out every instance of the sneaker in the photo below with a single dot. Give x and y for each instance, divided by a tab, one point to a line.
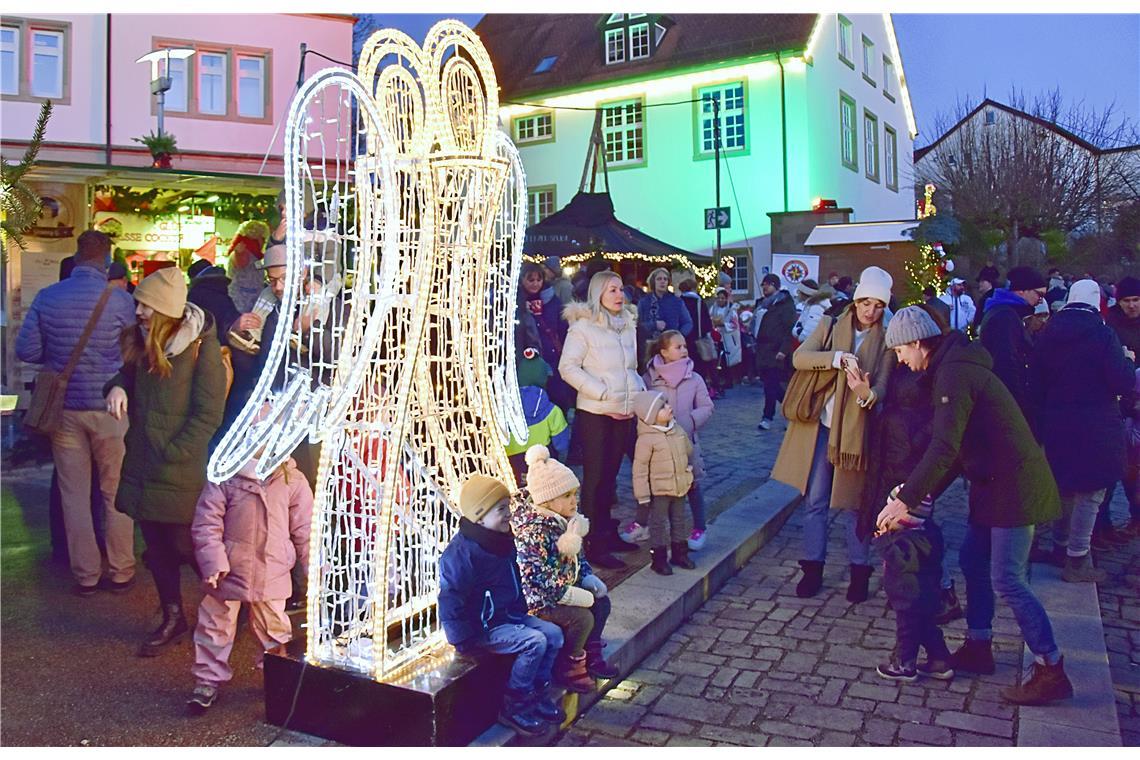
697	540
937	669
1046	683
116	587
85	591
635	532
897	671
764	425
203	697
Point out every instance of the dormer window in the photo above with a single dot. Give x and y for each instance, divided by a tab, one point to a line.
545	65
631	36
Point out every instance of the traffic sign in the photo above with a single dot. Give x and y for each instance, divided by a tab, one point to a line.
718	218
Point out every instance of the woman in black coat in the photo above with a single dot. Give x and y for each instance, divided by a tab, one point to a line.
538	300
978	426
1076	372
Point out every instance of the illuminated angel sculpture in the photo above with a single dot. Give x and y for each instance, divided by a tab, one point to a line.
395	347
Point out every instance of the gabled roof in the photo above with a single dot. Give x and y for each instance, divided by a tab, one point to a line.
517	43
920	152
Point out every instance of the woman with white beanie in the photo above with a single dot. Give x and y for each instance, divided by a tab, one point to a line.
824	453
172	387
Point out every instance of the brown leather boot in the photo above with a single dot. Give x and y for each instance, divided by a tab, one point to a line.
570	671
1046	683
974	656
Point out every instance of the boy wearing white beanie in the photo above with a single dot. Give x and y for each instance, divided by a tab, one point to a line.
557	581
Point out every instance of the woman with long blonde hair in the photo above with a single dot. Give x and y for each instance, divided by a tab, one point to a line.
172	387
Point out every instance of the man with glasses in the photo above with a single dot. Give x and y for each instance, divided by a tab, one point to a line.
1003	331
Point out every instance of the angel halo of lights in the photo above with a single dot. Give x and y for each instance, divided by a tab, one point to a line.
394	345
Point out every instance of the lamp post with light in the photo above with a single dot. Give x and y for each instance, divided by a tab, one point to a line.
160	81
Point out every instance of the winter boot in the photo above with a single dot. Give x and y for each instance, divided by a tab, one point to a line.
596	664
545	706
616	543
857	587
517	712
974	656
948	606
1081	570
680	556
812	581
570	671
203	698
660	564
170	631
1047	683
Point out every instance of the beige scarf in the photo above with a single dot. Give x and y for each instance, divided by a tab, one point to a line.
847	441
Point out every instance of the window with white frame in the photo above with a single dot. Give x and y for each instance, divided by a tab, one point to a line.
212	83
47	63
733	135
178	96
868	58
741	273
871	145
615	45
638	41
251	87
539	204
623	129
846	43
890	157
10	60
888	77
533	128
848	139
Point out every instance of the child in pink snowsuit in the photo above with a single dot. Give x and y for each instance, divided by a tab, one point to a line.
247	535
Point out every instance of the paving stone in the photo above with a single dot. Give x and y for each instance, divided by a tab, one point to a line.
831	693
881	732
975	723
970	739
747	679
647	694
784	728
689	668
665	723
845	672
611	717
743	716
691	708
827	717
783	741
724	676
648	736
733	736
903	713
687	741
799	662
876	693
939	737
689	686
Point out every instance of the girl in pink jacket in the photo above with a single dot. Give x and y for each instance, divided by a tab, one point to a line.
247	535
671	372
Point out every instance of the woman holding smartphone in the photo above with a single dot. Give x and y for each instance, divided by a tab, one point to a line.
826	459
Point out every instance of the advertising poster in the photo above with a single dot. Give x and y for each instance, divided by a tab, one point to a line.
792	268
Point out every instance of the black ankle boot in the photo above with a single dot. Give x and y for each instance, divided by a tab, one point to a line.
171	630
680	556
812	581
660	557
857	589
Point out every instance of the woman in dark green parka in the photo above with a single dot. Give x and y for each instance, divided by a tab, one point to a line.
173	388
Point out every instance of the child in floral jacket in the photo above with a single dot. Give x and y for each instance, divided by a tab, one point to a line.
558	582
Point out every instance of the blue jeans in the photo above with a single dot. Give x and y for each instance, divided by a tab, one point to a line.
535	643
817	505
997	559
697	505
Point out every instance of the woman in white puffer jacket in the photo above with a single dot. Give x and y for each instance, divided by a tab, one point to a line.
814	308
599	360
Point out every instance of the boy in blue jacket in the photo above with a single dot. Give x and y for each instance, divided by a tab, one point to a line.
545	421
481	605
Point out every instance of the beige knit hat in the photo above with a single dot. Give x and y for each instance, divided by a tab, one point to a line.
479	495
547	478
164	291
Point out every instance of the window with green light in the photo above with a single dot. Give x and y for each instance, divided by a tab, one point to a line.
891	157
733	132
539	203
534	128
623	128
846	41
868	59
871	145
848	135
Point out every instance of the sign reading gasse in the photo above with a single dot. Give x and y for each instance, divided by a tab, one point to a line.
718	218
133	232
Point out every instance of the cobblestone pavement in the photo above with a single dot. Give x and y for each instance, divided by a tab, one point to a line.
1120	611
758	666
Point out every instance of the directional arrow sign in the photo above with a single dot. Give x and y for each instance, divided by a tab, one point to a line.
718	218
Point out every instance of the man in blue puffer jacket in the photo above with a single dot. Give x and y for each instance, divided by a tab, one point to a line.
51	331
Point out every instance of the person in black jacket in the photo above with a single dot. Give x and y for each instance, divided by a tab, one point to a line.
1003	331
1077	370
209	288
978	426
773	342
702	326
1124	319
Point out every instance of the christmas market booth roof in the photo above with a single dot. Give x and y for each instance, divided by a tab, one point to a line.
587	225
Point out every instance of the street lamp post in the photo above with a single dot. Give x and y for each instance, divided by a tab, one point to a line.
160	81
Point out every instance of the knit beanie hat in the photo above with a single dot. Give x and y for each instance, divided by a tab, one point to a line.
479	495
546	478
910	324
807	288
647	404
874	283
532	369
1026	278
1128	287
164	291
197	267
1086	292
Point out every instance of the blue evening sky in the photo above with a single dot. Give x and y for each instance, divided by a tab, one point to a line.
1094	58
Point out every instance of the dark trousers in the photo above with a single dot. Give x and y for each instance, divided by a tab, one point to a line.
579	624
773	389
604	443
168	548
912	575
1103	516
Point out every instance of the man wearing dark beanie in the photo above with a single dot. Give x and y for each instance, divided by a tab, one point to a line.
1003	330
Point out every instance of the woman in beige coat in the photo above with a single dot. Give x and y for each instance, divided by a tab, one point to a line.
826	459
599	360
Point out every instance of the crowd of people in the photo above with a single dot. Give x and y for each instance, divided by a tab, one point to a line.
1037	408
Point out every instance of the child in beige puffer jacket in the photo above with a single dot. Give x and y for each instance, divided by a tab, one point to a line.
662	476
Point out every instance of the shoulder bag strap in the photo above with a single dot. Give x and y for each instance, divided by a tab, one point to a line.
830	331
77	352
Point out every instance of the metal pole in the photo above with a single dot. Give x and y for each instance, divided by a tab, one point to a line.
716	153
161	108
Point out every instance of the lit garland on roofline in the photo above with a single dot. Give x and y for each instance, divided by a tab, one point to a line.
707	276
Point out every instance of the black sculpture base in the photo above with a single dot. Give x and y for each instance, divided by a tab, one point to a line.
449	705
